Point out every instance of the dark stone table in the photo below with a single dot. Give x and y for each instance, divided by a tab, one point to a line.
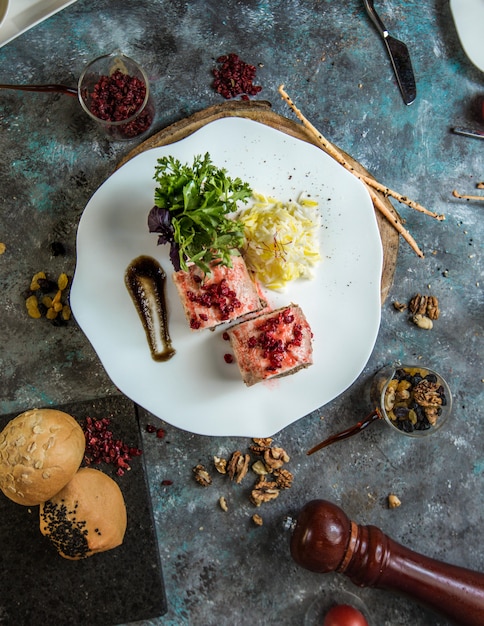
220	568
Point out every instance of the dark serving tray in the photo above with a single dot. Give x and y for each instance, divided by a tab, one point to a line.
39	587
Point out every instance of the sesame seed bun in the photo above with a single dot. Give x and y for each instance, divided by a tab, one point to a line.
40	451
87	516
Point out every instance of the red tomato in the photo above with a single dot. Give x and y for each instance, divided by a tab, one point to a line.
344	615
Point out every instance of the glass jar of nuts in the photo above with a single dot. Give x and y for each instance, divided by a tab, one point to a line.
413	399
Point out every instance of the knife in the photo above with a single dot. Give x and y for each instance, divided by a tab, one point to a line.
399	56
469	132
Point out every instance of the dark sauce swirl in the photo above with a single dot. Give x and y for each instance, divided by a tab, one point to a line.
145	280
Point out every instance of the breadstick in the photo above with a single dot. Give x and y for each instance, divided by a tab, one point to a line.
394	194
339	157
456	194
394	221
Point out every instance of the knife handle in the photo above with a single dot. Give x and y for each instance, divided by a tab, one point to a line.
375	18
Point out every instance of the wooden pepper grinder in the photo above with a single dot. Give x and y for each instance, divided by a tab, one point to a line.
325	540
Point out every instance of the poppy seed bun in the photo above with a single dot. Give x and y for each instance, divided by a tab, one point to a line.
40	451
87	516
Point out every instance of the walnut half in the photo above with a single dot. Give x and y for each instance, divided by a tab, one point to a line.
202	476
238	466
264	491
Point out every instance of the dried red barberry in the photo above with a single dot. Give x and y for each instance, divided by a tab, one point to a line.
102	447
116	98
235	77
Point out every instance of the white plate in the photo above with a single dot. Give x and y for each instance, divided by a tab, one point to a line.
25	14
469	21
196	390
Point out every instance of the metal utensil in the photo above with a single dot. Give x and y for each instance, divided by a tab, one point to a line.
469	132
68	91
399	56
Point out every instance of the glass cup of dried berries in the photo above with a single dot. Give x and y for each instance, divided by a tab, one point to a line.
115	92
412	399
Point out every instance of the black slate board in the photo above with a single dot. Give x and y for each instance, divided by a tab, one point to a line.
39	587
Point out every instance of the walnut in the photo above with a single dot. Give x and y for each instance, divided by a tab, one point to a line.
433	310
220	465
257	519
264	491
427	394
399	306
260	445
274	458
427	306
283	478
393	501
432	415
202	476
238	466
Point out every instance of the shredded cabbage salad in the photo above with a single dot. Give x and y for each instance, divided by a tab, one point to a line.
282	239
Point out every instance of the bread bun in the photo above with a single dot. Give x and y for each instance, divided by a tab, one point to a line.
87	516
40	451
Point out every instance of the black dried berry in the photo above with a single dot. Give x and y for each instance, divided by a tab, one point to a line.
416	379
46	285
57	248
401	412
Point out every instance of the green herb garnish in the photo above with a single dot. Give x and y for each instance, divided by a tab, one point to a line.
191	208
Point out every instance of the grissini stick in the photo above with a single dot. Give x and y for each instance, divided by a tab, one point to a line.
325	540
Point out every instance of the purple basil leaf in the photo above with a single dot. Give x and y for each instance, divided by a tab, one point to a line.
159	221
175	256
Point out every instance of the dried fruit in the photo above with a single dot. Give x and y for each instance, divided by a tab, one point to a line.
32	305
48	297
34	283
62	281
235	78
414	399
102	447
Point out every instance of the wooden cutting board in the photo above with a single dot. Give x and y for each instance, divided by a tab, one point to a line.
260	111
